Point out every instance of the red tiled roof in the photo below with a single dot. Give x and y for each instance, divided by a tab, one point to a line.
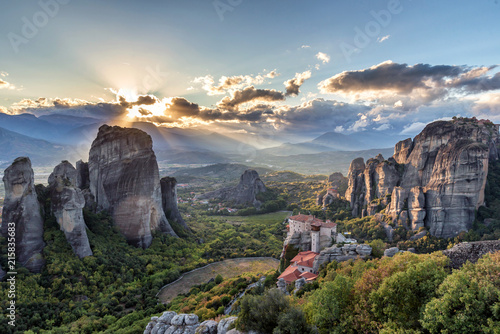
312	220
290	275
309	276
305	259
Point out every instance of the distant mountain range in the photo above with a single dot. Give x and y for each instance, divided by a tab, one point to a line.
51	138
41	152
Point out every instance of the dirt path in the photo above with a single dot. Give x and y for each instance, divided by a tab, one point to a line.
228	268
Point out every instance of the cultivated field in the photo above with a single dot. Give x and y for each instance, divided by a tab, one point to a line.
227	268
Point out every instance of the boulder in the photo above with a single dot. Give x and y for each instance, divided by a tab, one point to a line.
67	203
390	252
207	327
169	200
224	325
419	235
21	208
179	319
299	284
364	249
167	317
124	180
191	319
281	285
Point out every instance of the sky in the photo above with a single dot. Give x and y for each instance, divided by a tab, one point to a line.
293	68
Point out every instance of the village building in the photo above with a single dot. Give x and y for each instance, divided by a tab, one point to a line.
310	233
301	266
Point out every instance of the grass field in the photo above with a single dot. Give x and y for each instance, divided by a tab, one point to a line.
228	269
268	218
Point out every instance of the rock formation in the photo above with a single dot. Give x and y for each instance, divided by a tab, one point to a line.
124	179
67	204
244	193
437	180
21	207
341	253
225	324
171	322
169	200
82	176
336	182
470	251
390	252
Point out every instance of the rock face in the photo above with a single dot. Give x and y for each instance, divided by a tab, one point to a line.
21	207
342	253
67	204
225	324
470	251
390	252
124	179
169	200
82	176
244	193
436	181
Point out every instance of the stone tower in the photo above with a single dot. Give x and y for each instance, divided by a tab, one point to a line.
315	244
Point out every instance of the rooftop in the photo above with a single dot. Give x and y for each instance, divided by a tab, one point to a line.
305	259
291	274
309	276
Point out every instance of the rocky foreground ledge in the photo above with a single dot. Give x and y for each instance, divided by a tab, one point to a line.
470	251
173	323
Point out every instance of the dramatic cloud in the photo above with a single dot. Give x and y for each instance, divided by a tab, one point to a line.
323	57
141	100
384	38
250	94
5	85
487	106
396	77
292	86
408	87
232	83
476	80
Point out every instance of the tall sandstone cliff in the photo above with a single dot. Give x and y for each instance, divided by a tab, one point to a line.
21	207
67	206
436	180
124	179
